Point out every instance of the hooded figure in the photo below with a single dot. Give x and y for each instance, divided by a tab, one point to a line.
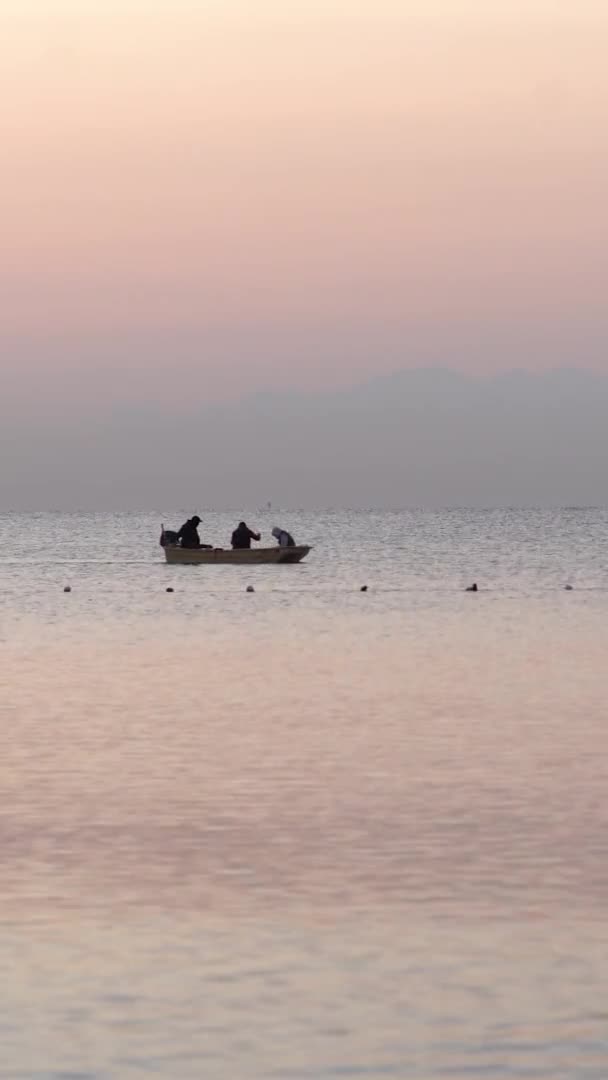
284	538
243	535
188	534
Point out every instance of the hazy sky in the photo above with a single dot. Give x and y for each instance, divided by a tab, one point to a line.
203	197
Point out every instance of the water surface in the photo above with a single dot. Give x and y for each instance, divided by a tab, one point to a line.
305	832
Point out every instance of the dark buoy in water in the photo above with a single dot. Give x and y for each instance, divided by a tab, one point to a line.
363	588
472	588
250	588
170	589
68	588
568	588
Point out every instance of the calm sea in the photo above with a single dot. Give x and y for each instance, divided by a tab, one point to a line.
308	832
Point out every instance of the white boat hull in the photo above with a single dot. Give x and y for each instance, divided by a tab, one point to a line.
179	556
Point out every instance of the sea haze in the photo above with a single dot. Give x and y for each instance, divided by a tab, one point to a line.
427	437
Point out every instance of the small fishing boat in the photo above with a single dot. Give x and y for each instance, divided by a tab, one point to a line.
179	556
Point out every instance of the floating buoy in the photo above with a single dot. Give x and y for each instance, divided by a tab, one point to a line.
363	588
472	588
170	589
250	588
68	588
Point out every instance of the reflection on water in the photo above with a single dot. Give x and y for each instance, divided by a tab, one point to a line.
403	997
309	832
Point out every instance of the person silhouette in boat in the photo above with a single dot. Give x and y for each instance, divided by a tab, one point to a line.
243	535
188	534
283	538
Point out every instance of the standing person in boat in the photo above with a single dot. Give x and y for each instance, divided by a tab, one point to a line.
284	539
188	534
243	535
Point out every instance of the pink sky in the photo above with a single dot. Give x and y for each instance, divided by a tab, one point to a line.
299	193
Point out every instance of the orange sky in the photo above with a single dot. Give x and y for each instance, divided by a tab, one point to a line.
386	172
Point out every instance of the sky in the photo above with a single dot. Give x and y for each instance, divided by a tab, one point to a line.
204	198
204	202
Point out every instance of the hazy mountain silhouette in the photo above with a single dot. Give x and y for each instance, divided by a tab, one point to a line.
415	438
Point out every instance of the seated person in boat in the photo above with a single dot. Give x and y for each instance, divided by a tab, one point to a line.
243	535
188	534
284	539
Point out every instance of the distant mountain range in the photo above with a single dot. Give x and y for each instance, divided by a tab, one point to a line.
416	438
